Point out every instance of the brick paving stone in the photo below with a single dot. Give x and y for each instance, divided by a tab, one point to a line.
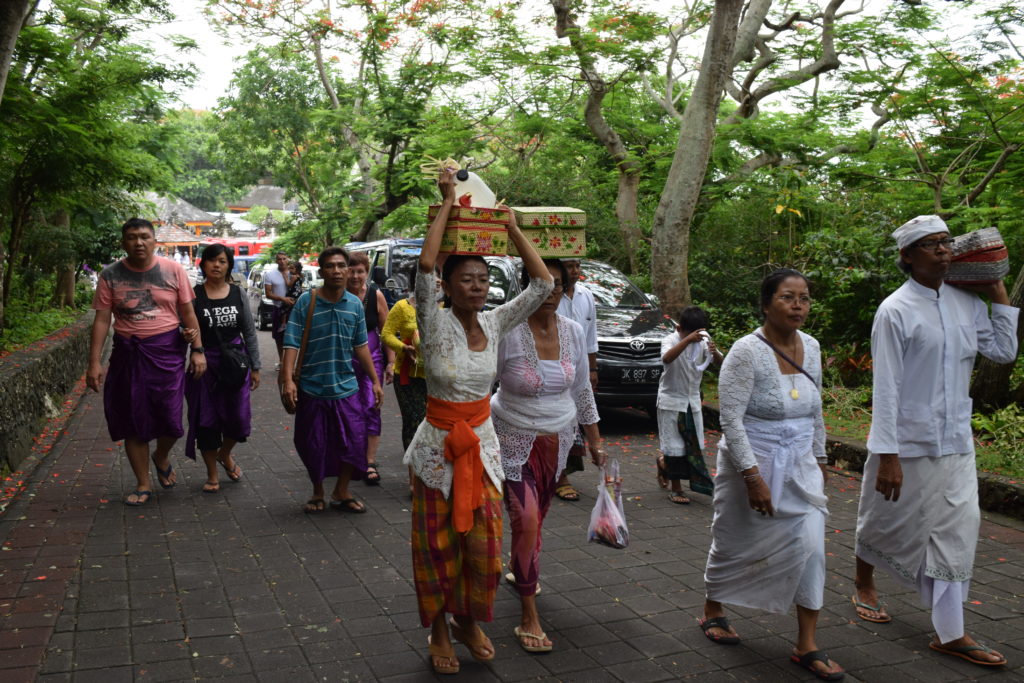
260	591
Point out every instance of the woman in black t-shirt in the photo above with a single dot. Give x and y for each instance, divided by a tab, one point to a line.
219	415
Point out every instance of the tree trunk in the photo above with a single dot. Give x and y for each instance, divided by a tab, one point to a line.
13	14
629	170
64	292
991	385
671	232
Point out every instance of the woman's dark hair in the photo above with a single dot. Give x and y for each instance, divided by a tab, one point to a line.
212	251
524	279
693	318
770	284
454	261
132	223
329	252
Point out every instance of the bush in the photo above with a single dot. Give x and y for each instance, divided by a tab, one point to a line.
1000	437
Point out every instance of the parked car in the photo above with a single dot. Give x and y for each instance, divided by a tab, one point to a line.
630	327
262	307
391	260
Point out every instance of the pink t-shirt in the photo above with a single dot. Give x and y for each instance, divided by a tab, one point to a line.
144	302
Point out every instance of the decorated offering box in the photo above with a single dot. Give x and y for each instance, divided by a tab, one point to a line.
554	231
979	257
474	230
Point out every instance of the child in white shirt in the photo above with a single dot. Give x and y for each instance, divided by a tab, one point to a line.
685	354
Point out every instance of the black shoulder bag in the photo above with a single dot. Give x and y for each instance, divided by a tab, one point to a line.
233	370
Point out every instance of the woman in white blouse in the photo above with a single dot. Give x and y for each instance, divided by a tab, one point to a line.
456	508
543	390
768	529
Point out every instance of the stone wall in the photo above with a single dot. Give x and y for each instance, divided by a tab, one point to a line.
33	382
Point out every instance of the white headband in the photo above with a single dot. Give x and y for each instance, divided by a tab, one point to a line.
916	228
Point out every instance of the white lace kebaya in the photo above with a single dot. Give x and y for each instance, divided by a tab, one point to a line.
454	373
541	396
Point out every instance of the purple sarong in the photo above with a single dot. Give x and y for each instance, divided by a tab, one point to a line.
329	433
366	384
210	407
145	384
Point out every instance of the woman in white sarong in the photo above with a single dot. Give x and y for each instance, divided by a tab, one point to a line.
768	531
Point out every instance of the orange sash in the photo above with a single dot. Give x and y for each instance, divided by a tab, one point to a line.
462	449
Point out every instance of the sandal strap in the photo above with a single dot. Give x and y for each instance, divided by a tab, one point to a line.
809	658
715	622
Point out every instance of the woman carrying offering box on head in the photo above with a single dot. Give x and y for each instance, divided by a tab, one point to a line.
456	509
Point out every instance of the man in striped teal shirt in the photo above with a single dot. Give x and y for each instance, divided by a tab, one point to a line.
330	419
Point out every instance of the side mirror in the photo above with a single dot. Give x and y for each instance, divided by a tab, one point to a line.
655	301
391	283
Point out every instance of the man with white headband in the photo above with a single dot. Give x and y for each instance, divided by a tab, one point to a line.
919	515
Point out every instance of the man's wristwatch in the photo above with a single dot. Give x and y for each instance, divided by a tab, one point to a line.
198	349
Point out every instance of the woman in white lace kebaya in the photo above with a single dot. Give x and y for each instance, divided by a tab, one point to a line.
543	391
456	508
768	529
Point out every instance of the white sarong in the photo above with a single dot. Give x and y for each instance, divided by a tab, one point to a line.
927	538
764	562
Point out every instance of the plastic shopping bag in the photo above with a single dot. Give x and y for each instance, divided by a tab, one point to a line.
608	520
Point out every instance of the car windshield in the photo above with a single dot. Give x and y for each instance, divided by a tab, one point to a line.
403	260
611	289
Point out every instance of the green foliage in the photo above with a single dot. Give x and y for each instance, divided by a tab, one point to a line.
1001	437
36	317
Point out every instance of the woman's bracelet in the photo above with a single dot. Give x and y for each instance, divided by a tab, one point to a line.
752	477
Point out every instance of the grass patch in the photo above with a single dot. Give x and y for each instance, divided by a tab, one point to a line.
28	326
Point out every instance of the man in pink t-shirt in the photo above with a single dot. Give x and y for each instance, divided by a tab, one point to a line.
146	297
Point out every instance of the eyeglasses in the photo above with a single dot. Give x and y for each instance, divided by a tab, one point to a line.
932	245
788	299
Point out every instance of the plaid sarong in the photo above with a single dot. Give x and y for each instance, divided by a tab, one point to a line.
453	572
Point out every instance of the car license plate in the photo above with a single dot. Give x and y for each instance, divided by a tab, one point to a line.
640	375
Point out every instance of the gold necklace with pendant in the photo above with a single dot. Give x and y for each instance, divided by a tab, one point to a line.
793	393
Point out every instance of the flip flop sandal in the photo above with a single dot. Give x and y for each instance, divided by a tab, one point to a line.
480	643
871	608
807	661
678	498
964	652
348	505
567	492
511	579
314	506
722	623
521	635
142	497
372	475
165	474
436	653
234	474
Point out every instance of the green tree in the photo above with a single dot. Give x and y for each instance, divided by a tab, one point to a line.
80	115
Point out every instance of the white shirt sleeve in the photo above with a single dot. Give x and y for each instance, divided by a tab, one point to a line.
591	327
997	337
735	387
887	348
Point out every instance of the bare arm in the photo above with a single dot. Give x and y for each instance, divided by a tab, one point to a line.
389	354
362	354
197	360
100	328
289	390
432	242
532	261
674	352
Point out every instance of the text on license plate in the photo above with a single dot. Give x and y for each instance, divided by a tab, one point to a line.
640	375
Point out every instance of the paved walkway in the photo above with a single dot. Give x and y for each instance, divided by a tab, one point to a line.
242	585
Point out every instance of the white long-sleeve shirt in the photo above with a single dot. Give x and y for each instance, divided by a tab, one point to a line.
581	308
923	346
